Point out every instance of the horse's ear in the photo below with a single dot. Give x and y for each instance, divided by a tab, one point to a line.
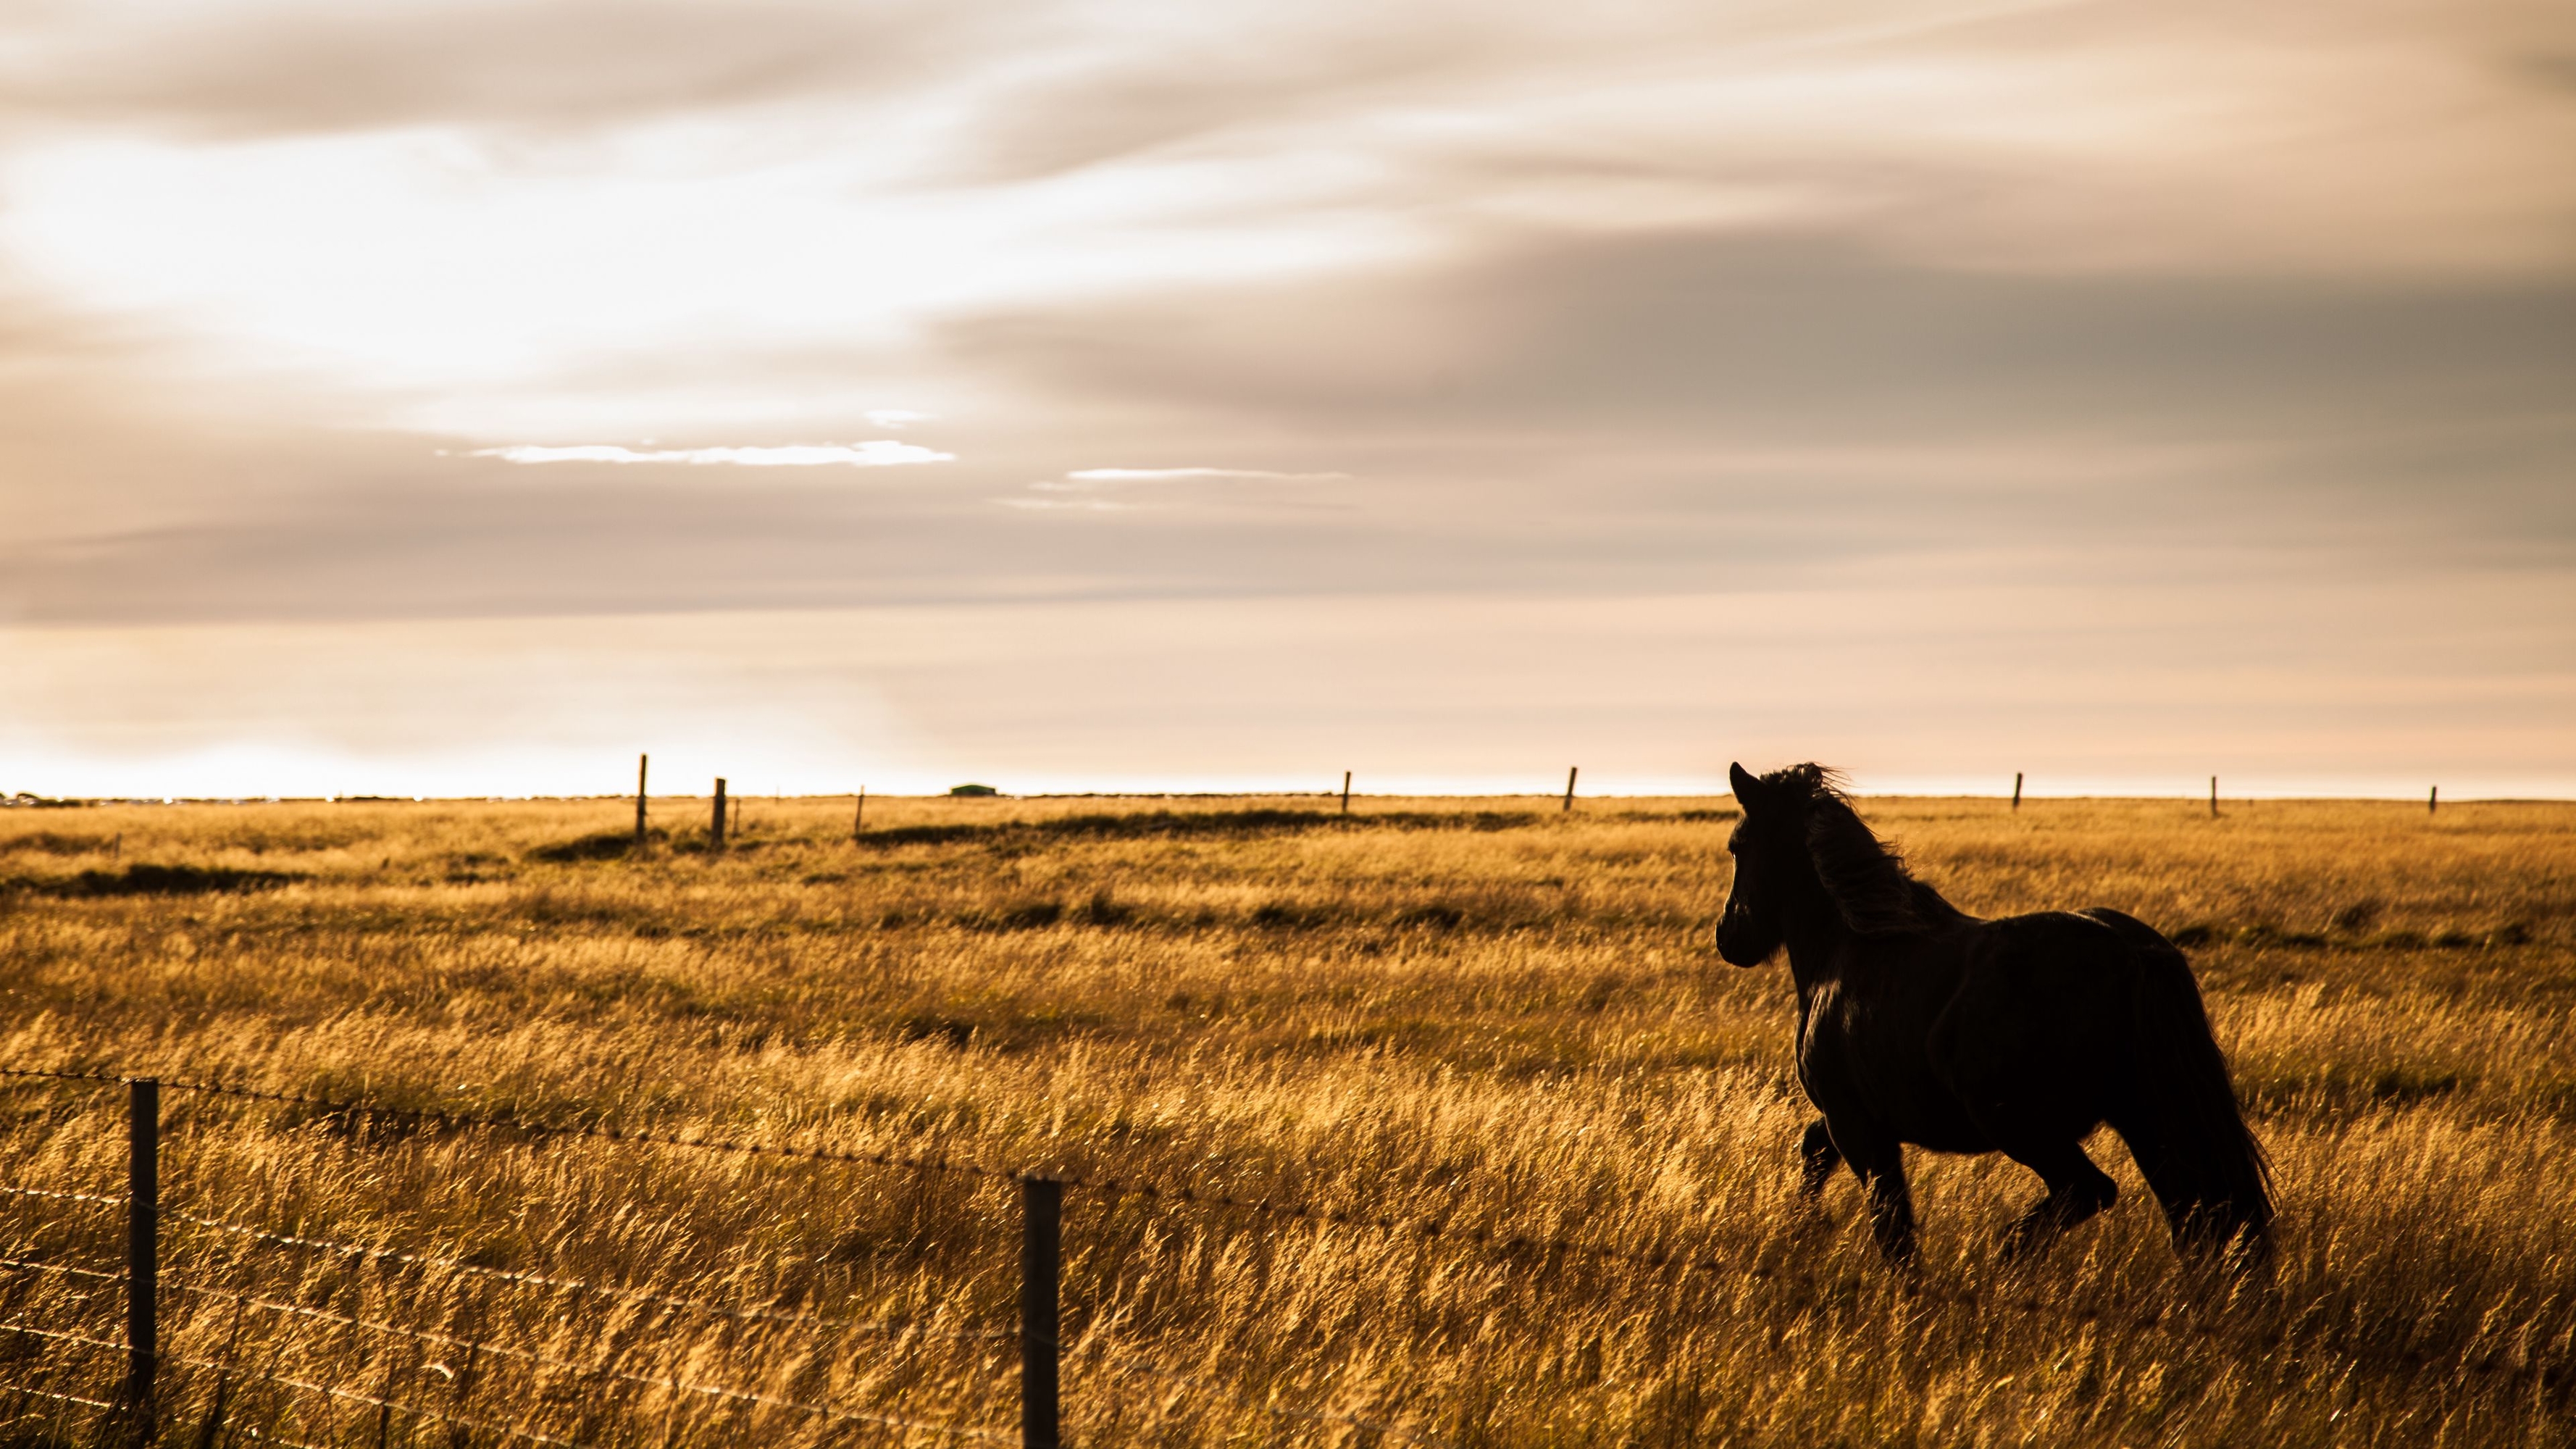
1743	783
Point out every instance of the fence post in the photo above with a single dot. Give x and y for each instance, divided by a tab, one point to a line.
1041	1267
715	827
2016	789
859	816
1346	792
2213	797
1569	786
2433	802
640	762
142	1250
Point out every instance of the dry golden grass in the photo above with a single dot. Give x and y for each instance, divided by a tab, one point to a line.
1482	1013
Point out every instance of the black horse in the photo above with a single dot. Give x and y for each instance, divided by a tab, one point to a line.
1920	1023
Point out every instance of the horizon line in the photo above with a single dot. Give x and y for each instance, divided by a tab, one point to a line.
26	801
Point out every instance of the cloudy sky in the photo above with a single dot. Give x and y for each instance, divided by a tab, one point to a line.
461	398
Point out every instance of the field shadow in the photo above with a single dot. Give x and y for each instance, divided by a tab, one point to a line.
603	845
1193	824
168	880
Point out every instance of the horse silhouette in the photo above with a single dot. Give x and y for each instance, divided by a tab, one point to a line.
1919	1023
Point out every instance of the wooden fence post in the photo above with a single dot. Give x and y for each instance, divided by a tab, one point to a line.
2213	797
1569	786
142	1251
640	762
2016	789
1346	792
1041	1270
715	826
859	816
2433	802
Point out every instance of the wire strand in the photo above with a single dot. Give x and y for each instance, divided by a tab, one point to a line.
65	1398
21	1326
460	1420
1426	1228
1318	1416
24	1265
84	1197
443	1118
597	1370
713	1390
101	1078
573	1285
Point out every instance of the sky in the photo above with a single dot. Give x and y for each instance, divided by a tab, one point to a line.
464	398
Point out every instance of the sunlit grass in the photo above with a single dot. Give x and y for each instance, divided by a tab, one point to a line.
1489	1014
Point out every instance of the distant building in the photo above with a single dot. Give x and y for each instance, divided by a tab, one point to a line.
972	790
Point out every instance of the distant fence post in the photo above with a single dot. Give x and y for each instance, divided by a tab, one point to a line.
1346	792
2433	802
2016	789
1041	1270
1569	786
2213	797
142	1251
715	826
641	761
859	816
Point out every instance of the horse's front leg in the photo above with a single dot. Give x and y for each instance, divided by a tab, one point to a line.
1879	1160
1817	1159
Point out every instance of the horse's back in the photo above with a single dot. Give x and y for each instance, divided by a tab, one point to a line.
2044	1016
2129	928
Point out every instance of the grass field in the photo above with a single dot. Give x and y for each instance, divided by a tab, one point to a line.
1477	1012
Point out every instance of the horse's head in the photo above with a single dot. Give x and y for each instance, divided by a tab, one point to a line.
1801	852
1768	844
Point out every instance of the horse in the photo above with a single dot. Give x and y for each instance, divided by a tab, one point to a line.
1919	1023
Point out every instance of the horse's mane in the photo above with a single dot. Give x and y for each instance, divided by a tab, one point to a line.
1864	876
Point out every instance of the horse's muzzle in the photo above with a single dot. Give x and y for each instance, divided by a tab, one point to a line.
1730	937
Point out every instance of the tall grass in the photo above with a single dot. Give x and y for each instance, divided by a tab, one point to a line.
1497	1017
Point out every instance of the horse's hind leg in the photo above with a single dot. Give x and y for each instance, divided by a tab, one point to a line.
2198	1216
1817	1158
2076	1190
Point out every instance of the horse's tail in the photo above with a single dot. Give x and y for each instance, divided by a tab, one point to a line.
2184	1124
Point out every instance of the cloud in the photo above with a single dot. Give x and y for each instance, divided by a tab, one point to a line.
880	453
1716	339
1668	298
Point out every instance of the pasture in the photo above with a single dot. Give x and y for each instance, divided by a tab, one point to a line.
1484	1014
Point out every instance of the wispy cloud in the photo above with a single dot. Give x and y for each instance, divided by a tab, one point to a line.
879	453
896	417
1083	505
1088	483
1088	480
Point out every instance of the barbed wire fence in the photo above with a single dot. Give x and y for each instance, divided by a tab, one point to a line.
132	1407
